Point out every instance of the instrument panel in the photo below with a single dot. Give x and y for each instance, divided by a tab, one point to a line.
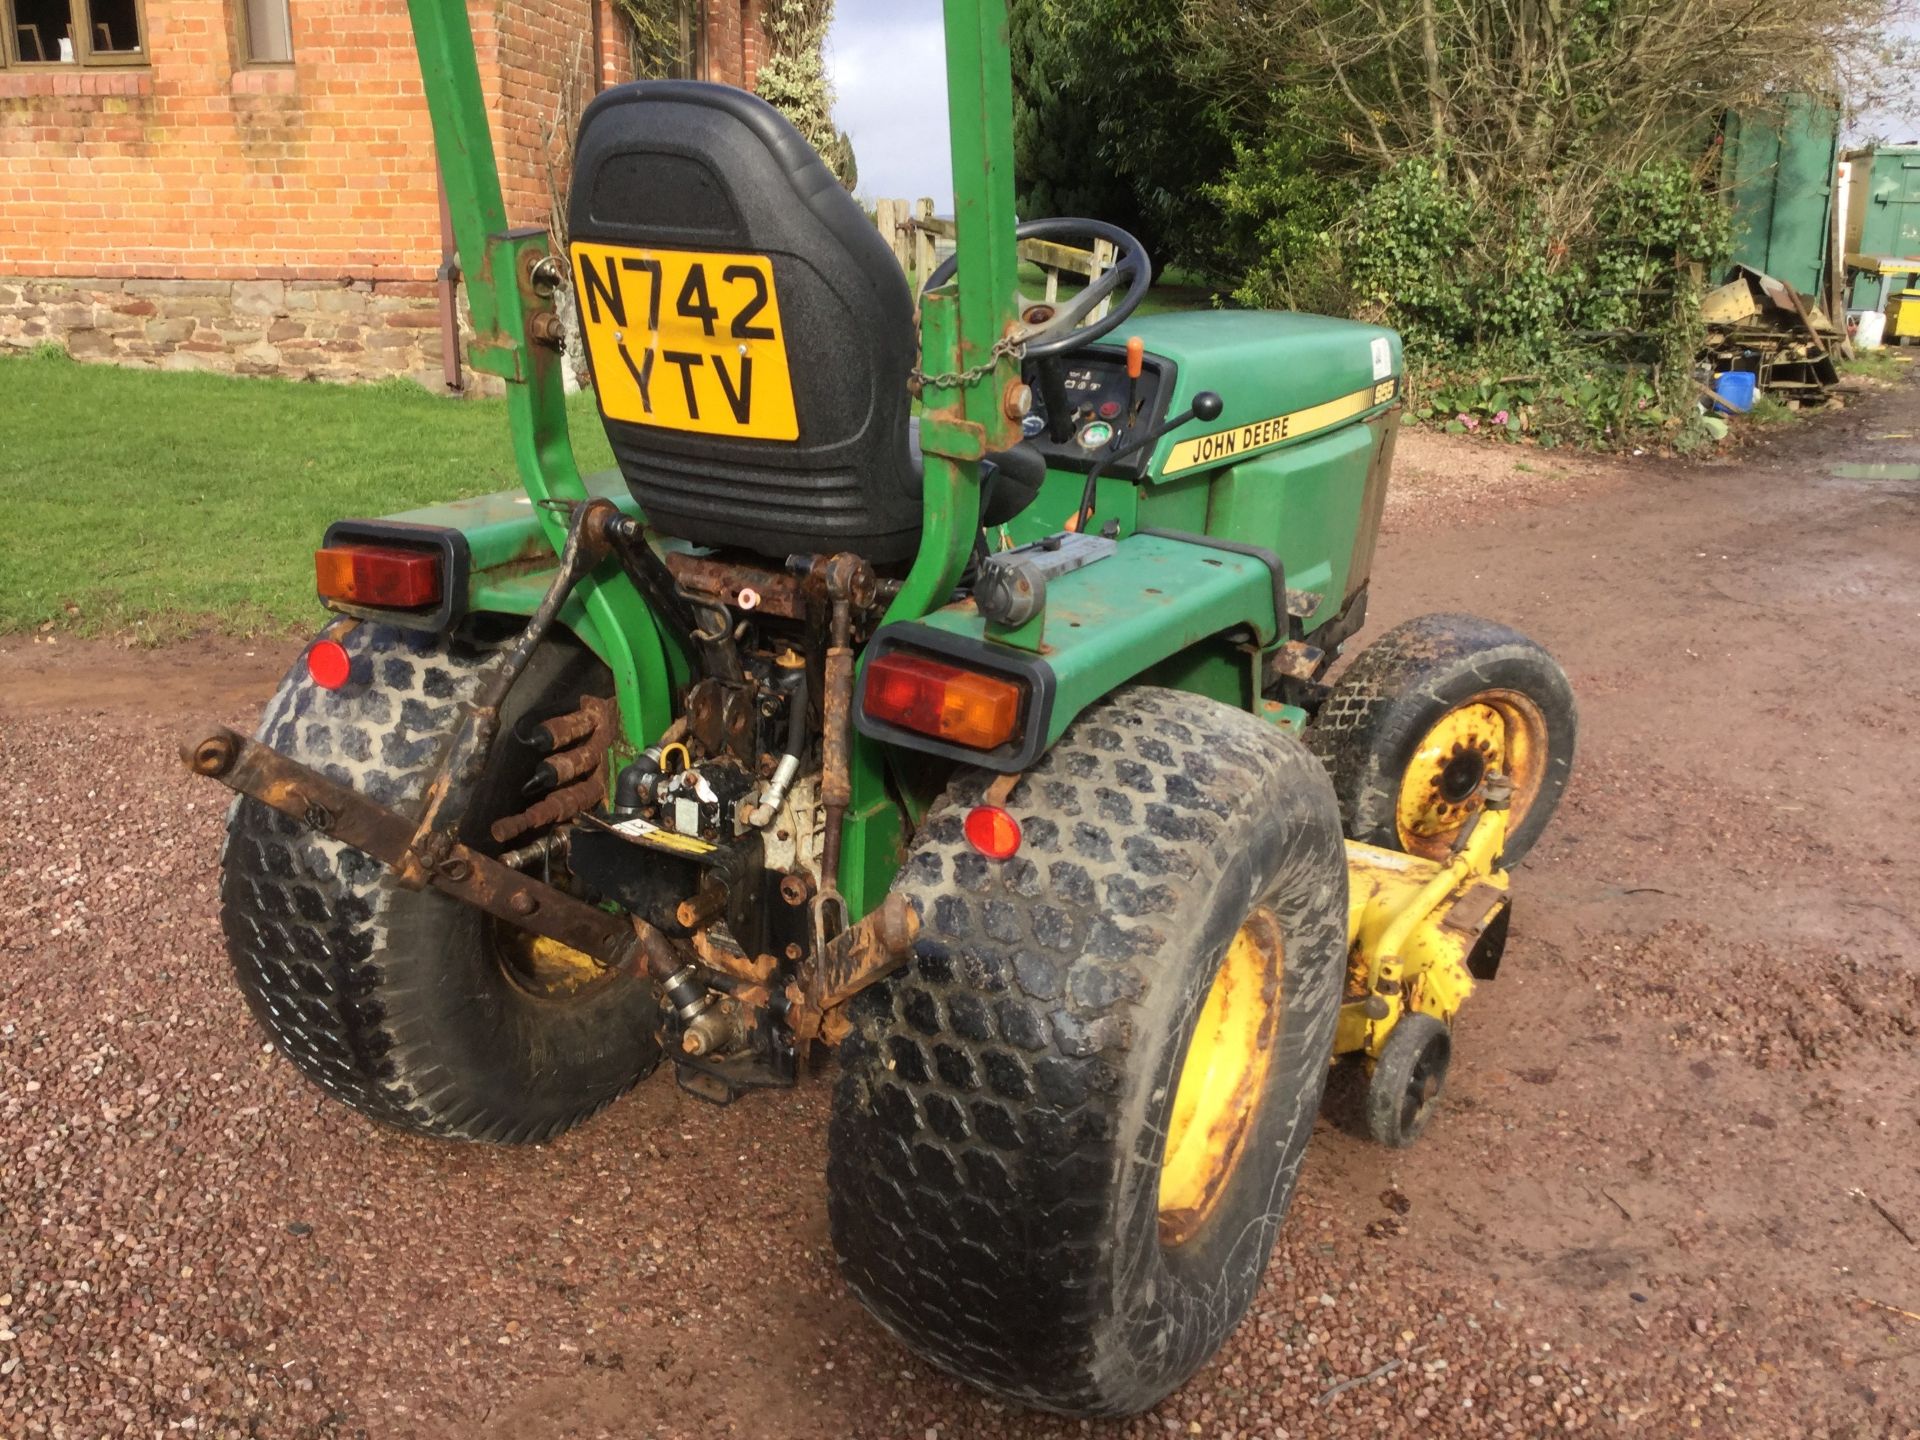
1093	408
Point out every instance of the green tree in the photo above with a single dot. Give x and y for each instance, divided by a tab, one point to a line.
1058	169
793	78
1104	126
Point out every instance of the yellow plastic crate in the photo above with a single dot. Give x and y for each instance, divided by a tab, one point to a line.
1903	316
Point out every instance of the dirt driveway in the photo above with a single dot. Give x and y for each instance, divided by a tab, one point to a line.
1676	1187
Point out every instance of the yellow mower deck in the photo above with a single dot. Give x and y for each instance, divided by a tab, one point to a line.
1416	929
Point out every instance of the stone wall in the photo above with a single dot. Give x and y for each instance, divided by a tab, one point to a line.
303	329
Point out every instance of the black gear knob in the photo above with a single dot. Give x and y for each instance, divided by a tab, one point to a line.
1207	405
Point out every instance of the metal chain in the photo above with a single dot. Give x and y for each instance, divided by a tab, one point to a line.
1009	347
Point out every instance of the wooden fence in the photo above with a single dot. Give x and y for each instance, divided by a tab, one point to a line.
913	233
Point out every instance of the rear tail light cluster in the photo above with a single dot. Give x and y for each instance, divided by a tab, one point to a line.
931	697
387	577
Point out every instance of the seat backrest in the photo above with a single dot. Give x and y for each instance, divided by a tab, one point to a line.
749	331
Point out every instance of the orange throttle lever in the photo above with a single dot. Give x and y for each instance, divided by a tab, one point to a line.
1136	361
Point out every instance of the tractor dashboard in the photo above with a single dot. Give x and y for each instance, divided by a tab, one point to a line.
1085	405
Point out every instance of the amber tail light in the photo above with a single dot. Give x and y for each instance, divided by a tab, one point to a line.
933	698
383	576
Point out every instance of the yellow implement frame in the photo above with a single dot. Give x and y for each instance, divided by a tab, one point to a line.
1413	929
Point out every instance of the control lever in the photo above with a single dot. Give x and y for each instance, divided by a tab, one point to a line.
1053	397
1206	406
1136	362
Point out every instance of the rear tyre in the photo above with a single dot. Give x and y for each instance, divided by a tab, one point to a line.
1407	1080
411	1007
1064	1138
1424	712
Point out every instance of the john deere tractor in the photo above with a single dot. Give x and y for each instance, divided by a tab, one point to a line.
983	762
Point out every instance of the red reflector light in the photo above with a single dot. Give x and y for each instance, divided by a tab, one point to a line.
993	832
379	575
934	698
329	664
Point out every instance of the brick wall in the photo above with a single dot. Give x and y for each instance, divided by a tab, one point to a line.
200	213
195	169
540	66
735	42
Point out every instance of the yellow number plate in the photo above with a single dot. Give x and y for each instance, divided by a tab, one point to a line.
686	340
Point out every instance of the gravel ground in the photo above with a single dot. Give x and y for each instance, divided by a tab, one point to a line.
1677	1156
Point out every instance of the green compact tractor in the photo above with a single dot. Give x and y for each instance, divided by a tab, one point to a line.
989	749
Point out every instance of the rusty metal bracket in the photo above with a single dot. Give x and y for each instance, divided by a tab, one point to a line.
589	539
751	587
941	434
849	583
343	814
847	964
1474	910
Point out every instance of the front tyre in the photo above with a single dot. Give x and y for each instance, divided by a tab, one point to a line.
1065	1137
1415	723
411	1007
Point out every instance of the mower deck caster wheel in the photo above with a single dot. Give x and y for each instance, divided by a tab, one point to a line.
1407	1080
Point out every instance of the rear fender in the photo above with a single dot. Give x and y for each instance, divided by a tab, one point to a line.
1158	598
498	561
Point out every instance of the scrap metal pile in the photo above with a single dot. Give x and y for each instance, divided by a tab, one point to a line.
1759	324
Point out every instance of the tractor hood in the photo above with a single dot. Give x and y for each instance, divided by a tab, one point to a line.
1282	377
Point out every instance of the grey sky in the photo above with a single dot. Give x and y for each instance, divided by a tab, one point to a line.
887	60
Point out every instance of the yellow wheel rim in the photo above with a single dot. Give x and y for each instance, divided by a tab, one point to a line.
1494	730
1223	1078
543	965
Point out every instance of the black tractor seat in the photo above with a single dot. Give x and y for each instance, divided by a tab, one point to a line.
708	170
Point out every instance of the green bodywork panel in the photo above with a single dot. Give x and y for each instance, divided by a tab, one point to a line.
503	533
1264	363
1304	502
1311	495
1153	599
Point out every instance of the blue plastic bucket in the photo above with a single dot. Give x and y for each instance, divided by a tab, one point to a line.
1735	389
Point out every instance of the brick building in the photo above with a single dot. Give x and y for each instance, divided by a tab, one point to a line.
249	185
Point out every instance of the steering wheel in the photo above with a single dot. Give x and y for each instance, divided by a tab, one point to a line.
1050	329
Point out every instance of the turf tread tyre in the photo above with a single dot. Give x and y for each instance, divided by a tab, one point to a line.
1367	728
993	1157
383	996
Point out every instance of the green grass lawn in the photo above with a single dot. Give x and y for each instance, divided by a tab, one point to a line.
162	504
166	503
